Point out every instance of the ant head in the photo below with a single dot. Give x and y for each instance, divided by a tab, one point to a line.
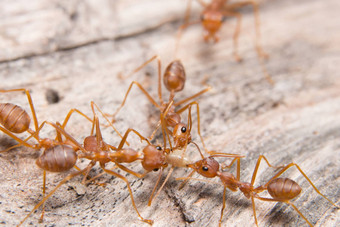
181	135
212	21
174	76
207	167
154	158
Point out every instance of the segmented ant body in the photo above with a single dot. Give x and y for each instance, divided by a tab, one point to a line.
62	158
214	14
280	189
174	80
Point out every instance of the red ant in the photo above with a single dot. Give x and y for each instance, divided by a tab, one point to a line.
155	158
280	189
214	14
94	149
16	120
212	17
174	80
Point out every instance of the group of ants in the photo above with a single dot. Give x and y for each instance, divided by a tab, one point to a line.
61	153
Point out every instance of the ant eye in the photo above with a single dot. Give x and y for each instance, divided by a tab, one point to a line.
183	129
158	148
155	169
204	168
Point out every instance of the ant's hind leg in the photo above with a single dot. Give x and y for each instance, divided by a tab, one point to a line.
150	222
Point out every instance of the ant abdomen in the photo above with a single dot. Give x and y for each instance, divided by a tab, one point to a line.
14	118
174	76
172	119
57	159
283	189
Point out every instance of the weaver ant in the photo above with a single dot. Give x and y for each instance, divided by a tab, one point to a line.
215	13
212	17
280	189
174	80
95	150
156	158
16	120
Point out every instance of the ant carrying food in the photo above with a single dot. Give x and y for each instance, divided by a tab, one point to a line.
174	79
280	189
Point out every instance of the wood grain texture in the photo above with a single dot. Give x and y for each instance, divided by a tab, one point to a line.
78	48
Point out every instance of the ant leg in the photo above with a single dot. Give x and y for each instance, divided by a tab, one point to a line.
261	54
99	137
154	188
77	168
254	209
44	192
121	144
126	95
223	206
284	169
67	136
165	132
150	222
255	6
67	178
93	104
159	78
191	97
186	23
289	203
258	165
29	98
131	171
238	167
160	189
67	118
185	179
94	178
154	131
20	141
24	142
238	17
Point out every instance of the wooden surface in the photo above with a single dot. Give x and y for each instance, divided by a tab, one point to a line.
78	48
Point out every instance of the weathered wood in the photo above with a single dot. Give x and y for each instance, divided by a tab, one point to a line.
78	48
